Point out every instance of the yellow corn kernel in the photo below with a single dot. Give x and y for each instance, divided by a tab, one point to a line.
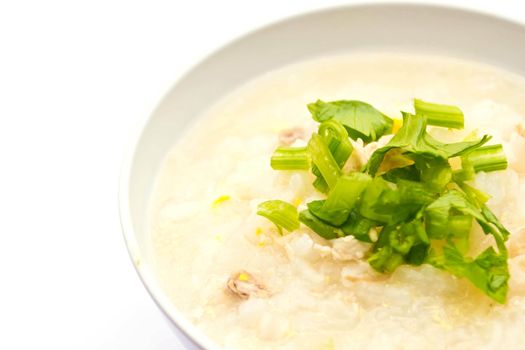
258	231
244	277
297	201
220	200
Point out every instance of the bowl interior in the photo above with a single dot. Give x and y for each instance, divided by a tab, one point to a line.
393	28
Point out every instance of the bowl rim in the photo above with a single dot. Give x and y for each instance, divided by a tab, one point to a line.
172	314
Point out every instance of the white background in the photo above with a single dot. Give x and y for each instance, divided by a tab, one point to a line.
76	79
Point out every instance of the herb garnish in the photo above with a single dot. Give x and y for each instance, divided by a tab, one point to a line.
422	208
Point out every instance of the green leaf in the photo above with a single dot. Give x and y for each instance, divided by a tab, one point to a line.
360	119
342	198
371	196
488	272
413	139
409	240
455	149
492	225
318	226
418	254
358	226
390	203
434	173
410	173
475	195
459	226
402	240
385	260
282	214
439	215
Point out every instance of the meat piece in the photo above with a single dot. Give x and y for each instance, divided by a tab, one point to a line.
245	285
288	136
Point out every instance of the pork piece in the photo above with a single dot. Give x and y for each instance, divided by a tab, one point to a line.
288	136
244	285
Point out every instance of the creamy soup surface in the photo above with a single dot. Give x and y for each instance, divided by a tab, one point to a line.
301	291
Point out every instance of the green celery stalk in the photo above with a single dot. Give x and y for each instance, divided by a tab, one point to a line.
282	214
323	160
440	115
342	198
335	136
488	158
290	158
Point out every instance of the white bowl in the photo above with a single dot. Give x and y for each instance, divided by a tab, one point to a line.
398	28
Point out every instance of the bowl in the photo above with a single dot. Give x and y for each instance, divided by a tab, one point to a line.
393	27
